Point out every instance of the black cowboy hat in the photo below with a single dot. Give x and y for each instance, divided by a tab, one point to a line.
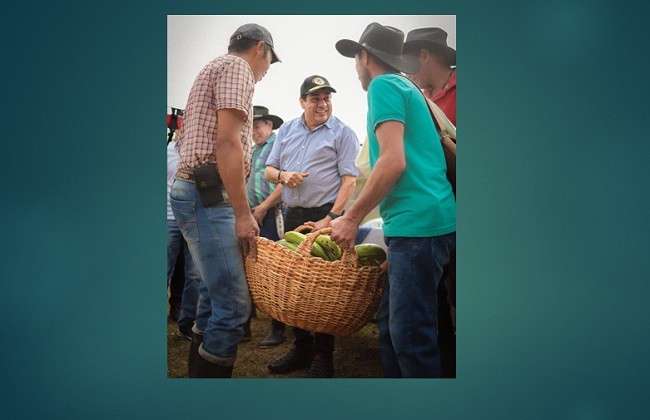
262	113
432	39
385	43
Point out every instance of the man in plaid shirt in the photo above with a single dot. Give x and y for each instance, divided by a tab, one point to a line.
216	135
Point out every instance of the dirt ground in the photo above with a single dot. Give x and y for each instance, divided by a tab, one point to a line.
356	356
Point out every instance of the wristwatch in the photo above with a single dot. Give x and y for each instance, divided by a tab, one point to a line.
334	215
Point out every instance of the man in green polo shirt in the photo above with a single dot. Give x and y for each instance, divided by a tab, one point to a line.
409	183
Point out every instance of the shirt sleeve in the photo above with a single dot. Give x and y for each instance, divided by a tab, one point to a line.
386	102
234	87
348	151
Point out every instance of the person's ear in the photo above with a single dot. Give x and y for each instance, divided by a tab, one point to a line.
260	48
364	56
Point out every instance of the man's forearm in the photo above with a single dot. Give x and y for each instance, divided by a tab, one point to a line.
271	174
230	163
345	192
274	198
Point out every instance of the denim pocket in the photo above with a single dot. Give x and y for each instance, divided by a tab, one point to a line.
185	215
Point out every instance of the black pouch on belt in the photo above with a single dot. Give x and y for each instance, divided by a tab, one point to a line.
208	184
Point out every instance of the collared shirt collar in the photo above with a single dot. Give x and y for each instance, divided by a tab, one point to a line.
269	138
327	123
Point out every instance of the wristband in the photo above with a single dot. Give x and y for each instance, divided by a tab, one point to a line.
279	180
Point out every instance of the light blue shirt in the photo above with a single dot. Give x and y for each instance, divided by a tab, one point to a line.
172	164
327	153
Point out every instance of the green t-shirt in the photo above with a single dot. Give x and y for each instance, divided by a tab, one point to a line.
421	204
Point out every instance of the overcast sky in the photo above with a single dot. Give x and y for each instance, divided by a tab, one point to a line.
305	44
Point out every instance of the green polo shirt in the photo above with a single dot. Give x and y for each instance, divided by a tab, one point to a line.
421	204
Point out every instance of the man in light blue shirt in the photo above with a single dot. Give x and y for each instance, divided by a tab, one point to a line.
314	158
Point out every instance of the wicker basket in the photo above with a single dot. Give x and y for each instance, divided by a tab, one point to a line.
332	297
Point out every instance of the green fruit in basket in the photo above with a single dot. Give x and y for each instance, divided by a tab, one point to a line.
294	237
287	244
370	254
317	251
331	249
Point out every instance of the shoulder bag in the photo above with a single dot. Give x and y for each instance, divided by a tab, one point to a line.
447	134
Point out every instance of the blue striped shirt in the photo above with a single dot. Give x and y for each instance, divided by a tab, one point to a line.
258	188
327	153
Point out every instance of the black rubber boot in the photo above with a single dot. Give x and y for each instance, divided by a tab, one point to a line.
293	360
276	335
274	338
205	369
193	355
321	367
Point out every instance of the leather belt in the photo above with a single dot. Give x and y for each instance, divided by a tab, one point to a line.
309	210
187	176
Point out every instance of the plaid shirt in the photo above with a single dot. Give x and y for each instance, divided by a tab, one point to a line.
257	187
225	82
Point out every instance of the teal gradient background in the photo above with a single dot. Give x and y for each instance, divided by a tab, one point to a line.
552	211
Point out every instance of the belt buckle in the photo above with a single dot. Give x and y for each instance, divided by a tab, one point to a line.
183	176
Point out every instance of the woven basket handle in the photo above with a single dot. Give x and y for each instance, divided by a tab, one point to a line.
305	247
303	227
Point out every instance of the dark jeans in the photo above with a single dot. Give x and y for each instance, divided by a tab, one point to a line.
320	343
269	227
177	282
447	318
407	313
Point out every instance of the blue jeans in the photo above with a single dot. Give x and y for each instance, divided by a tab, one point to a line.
189	301
225	303
407	313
